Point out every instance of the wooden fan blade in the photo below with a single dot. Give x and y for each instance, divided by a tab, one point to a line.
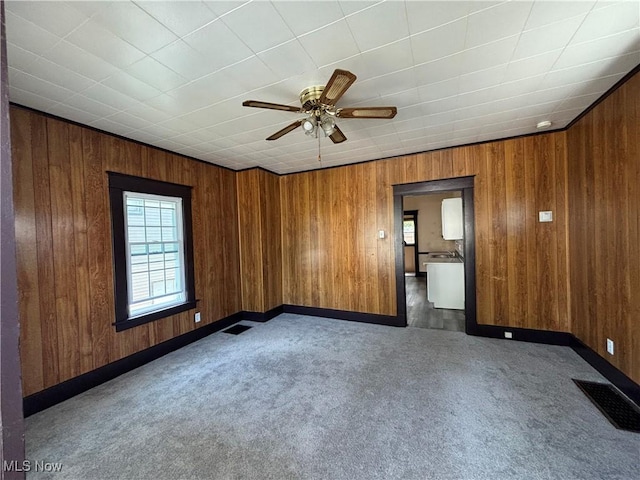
271	106
339	82
285	130
367	112
337	136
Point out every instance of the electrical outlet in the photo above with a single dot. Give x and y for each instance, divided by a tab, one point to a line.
508	335
609	346
197	317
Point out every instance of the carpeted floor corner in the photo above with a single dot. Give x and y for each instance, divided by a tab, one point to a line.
314	398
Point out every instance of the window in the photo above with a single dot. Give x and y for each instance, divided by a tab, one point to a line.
152	249
409	232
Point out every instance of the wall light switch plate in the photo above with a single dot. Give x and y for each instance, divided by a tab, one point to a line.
381	234
610	346
545	216
197	317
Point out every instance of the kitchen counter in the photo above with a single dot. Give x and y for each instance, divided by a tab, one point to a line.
443	260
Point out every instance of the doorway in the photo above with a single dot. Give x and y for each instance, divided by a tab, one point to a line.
467	247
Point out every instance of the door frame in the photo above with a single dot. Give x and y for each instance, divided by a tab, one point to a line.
464	184
414	216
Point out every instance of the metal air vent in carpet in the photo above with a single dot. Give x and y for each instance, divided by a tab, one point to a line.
237	329
619	410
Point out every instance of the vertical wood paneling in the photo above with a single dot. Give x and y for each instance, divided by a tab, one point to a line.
64	245
260	239
510	188
604	201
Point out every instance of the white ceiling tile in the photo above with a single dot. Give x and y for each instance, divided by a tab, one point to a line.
489	55
180	21
439	90
548	38
546	12
330	44
93	37
390	83
218	44
250	74
616	18
520	87
75	58
401	99
27	35
71	113
130	86
299	20
207	90
19	57
352	6
531	66
223	7
55	17
427	15
606	47
482	79
181	57
503	20
260	24
440	70
383	23
577	74
148	113
439	42
23	97
288	59
87	104
135	26
154	73
578	102
110	96
128	120
32	84
110	126
59	75
387	59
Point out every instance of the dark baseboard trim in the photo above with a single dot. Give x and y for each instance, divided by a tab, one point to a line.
63	391
523	335
627	386
378	319
262	316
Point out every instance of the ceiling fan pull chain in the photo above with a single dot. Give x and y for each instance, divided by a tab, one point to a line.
319	158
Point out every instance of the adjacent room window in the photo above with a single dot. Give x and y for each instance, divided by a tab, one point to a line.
409	232
152	246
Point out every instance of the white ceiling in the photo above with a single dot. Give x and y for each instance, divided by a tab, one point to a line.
174	73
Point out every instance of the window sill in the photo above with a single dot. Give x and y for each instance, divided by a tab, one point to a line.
152	316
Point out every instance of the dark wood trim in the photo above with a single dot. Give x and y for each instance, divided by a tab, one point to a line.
345	315
121	137
75	386
263	316
11	414
414	216
464	184
119	183
602	97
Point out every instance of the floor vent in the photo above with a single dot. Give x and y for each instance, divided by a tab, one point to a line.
237	329
619	410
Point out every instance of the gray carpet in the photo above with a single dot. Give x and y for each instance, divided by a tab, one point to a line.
313	398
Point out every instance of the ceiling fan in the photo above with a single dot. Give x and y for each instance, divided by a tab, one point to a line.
319	103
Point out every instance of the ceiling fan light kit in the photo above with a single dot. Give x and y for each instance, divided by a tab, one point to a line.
318	102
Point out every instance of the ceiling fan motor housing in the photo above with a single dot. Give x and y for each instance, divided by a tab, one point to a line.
309	97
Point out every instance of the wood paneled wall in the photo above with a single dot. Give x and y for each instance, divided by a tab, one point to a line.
604	229
64	256
333	258
260	239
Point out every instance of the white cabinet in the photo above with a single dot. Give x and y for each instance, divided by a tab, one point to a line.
452	220
445	285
